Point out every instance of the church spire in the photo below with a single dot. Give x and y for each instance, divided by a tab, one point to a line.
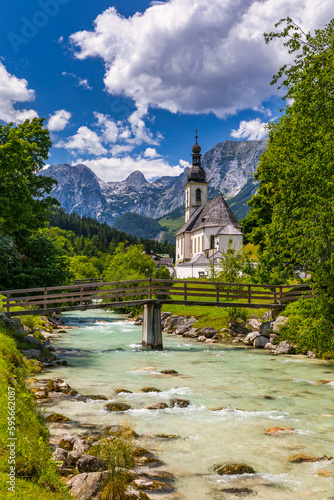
196	173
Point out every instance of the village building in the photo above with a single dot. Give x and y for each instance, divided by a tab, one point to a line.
210	226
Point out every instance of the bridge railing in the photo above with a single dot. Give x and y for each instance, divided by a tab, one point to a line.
123	293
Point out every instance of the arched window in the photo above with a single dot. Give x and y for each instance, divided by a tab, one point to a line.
198	196
212	242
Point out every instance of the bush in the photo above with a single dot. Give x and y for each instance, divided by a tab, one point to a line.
310	327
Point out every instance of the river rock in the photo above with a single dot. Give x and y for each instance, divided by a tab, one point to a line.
57	417
169	372
156	406
260	342
233	469
254	324
300	458
67	443
283	348
237	340
208	332
274	430
229	332
269	346
249	339
311	354
192	333
88	485
132	494
265	328
184	324
151	485
60	455
149	389
179	403
32	354
80	445
117	407
31	340
89	463
272	338
267	316
280	321
120	390
238	328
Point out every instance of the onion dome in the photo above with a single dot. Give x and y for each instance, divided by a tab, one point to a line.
196	173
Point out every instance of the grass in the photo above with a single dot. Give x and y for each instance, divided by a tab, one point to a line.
36	474
216	317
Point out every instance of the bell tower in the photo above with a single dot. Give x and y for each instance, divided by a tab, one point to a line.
196	187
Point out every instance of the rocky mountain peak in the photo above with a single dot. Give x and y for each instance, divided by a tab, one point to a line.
136	179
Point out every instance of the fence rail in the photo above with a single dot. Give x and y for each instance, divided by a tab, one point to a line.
125	293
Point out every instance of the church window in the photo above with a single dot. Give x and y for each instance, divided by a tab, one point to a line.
212	242
198	196
194	245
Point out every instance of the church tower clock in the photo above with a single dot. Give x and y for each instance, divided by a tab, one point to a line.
196	187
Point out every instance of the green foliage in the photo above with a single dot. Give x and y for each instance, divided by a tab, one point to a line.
90	237
310	327
236	265
33	458
119	456
35	261
139	226
23	200
129	263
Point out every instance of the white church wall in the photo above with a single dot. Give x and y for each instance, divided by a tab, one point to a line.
192	271
223	239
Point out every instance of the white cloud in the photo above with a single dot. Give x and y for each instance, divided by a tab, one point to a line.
80	82
84	141
110	129
150	153
117	169
14	90
195	57
59	120
252	130
118	149
185	164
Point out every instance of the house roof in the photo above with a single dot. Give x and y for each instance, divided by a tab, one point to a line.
229	230
214	213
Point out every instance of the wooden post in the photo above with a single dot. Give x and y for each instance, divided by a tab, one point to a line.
249	294
117	295
185	291
81	295
45	300
280	295
7	305
150	288
217	292
152	331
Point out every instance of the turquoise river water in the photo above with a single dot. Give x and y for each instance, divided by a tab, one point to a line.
255	389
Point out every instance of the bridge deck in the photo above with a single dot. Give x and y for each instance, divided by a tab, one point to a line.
117	294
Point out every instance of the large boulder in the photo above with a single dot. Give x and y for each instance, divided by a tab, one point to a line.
283	348
60	455
191	334
89	463
156	406
88	485
238	328
254	324
249	339
265	328
32	354
260	342
280	321
179	403
184	324
208	332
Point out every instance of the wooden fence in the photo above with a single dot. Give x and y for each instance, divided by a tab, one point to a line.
127	293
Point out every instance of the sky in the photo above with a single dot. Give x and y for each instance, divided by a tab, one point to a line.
123	85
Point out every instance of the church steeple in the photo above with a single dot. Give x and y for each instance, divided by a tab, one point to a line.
196	187
196	173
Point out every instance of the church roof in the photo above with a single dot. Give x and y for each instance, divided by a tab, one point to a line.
214	213
196	174
228	230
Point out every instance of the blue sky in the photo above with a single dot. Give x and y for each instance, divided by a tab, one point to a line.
124	84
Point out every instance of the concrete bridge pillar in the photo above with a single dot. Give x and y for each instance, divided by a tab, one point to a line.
152	331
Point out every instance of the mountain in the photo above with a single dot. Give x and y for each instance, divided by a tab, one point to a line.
229	166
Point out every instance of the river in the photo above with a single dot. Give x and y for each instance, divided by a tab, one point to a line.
255	390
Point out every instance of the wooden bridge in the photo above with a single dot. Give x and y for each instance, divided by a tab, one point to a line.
151	293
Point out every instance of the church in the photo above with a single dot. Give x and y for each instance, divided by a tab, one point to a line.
209	225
